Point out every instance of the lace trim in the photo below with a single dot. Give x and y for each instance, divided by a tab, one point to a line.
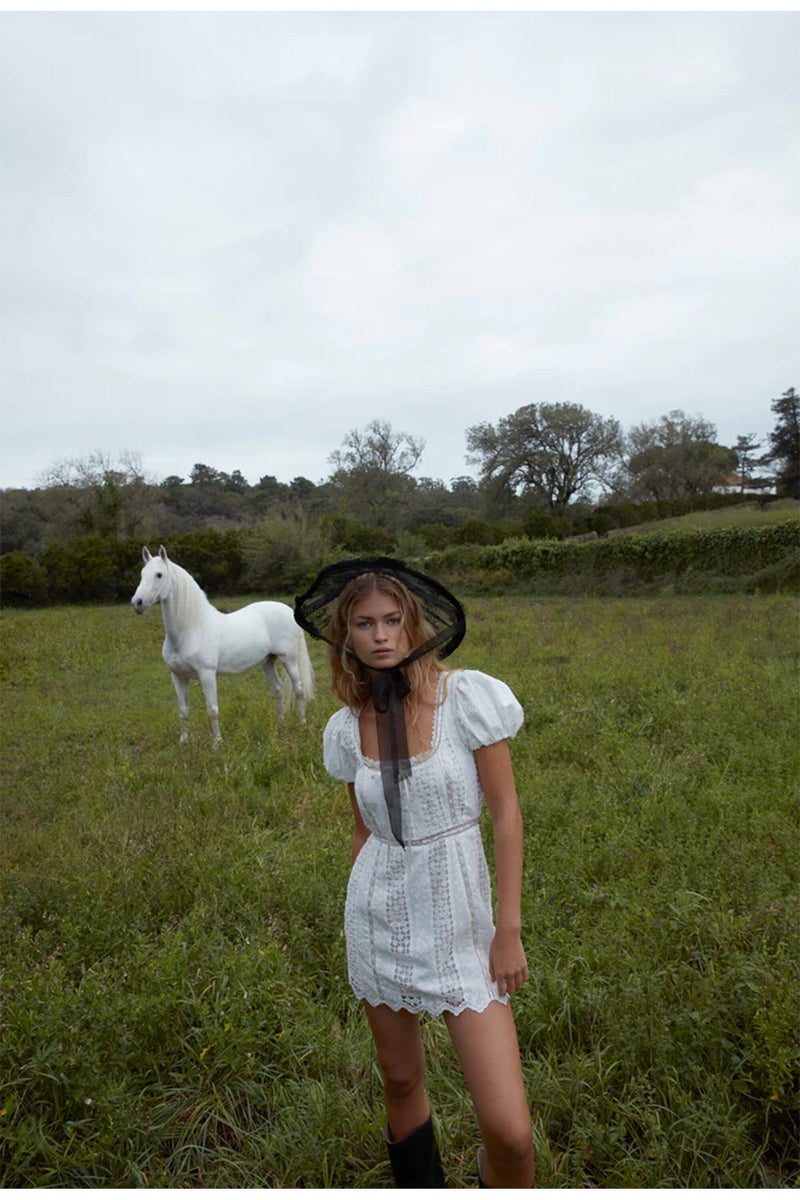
414	1005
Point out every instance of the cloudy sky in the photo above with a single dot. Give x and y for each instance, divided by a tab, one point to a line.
231	238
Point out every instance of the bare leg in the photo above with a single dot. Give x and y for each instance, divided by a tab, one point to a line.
486	1044
401	1055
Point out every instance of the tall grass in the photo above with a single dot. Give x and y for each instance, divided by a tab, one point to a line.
176	1011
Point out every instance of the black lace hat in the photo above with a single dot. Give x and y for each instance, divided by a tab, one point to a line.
389	687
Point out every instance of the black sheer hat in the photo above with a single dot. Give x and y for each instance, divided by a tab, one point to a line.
314	609
389	687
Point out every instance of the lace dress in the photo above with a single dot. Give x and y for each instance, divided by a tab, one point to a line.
418	919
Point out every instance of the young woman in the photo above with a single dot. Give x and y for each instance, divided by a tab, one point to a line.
420	748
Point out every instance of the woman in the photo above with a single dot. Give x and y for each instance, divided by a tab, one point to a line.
420	748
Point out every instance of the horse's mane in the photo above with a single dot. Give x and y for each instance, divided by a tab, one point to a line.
191	600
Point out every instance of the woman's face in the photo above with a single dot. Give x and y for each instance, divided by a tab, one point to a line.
376	634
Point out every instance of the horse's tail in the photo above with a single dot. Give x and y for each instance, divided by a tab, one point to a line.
305	667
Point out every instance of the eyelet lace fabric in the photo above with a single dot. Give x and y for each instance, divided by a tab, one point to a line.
418	919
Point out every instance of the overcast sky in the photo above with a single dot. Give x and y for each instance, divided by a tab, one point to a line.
230	238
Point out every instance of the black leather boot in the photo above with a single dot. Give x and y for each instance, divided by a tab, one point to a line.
415	1159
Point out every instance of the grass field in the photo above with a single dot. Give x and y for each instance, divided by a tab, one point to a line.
742	516
175	1007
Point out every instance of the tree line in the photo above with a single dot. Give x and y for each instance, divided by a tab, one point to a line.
545	471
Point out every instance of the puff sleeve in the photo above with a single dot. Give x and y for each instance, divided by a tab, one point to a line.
487	710
338	749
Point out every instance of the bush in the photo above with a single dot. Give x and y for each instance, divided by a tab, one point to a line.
281	553
22	579
630	559
213	557
345	535
80	569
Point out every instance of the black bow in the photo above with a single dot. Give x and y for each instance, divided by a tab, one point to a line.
389	690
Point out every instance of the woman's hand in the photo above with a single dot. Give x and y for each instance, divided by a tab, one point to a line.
508	965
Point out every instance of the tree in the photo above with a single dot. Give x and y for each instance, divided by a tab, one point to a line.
784	444
547	452
371	480
746	445
676	458
108	498
378	448
747	460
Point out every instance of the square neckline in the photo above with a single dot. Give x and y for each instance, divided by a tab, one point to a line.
436	730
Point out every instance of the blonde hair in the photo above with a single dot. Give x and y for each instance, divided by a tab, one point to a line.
349	682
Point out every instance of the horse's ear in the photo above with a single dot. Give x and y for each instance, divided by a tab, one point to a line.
162	554
146	555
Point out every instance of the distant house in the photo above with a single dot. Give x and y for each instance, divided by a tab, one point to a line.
752	487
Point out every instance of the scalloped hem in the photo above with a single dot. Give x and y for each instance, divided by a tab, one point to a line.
432	1010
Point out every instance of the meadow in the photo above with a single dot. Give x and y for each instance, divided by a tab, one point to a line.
175	1007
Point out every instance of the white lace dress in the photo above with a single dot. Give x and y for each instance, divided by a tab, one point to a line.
418	919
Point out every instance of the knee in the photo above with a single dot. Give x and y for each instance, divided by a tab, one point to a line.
511	1144
402	1079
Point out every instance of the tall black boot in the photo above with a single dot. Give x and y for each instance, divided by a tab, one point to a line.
415	1159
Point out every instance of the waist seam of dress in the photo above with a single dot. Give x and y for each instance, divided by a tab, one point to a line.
433	837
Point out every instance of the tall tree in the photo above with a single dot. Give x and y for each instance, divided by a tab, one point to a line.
785	443
747	460
372	478
676	458
100	495
549	453
379	448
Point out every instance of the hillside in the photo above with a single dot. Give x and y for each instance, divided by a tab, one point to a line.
740	516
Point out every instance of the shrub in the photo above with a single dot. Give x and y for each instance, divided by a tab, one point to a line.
213	557
22	579
627	559
80	569
281	552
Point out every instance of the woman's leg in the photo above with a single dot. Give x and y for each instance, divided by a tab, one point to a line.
401	1055
410	1139
486	1044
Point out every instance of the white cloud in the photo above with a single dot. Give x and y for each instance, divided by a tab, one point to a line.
232	237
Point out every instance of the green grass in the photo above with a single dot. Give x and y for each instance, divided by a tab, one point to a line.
175	1007
745	515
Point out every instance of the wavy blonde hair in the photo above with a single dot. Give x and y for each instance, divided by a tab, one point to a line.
351	683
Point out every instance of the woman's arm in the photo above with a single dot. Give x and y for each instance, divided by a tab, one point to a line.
360	833
507	962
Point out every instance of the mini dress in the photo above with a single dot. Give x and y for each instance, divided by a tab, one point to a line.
418	918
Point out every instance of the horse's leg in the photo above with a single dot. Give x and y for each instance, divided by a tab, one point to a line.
293	672
182	692
275	682
208	682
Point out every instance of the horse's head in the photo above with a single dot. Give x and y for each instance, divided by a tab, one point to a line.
155	582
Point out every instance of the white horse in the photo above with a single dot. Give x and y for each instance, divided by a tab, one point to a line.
202	642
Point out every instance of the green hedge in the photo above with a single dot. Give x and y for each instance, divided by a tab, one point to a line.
104	570
739	552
